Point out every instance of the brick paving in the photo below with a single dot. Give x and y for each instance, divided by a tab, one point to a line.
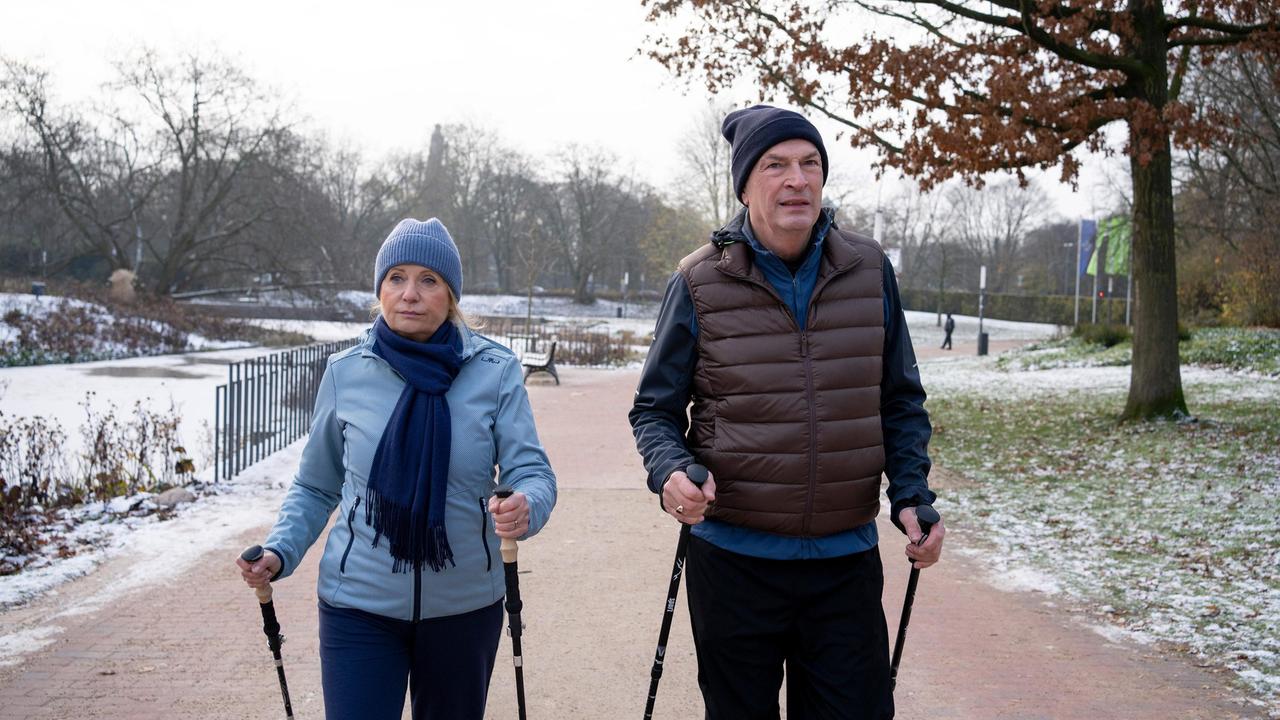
593	585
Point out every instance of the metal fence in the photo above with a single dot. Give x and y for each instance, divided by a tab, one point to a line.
266	404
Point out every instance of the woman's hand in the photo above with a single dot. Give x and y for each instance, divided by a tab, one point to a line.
510	515
258	574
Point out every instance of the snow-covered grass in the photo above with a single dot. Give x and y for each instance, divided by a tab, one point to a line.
1255	350
1169	530
49	329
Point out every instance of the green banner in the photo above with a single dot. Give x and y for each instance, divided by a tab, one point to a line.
1114	236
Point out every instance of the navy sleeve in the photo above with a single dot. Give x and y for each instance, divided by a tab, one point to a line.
659	417
902	415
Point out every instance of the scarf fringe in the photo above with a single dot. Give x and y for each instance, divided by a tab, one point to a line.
411	546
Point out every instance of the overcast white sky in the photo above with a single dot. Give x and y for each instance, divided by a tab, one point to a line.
380	74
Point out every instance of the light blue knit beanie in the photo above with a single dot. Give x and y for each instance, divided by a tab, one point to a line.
421	243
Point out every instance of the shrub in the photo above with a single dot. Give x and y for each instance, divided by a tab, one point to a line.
1104	335
120	456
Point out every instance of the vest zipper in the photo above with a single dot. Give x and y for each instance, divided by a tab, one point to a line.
484	535
813	433
351	539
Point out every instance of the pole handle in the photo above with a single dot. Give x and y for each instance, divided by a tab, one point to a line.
253	554
697	474
509	548
927	517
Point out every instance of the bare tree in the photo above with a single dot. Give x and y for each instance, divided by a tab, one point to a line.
96	178
705	156
173	170
586	219
513	198
992	223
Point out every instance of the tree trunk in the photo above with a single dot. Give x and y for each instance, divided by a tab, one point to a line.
1155	385
1155	381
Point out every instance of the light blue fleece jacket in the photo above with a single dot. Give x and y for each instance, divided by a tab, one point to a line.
492	426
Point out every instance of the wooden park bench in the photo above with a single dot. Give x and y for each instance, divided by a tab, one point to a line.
541	362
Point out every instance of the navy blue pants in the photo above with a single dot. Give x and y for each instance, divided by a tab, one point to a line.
366	659
821	619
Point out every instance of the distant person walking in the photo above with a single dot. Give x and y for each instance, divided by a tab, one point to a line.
410	428
949	327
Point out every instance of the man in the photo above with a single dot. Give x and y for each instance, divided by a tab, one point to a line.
948	327
785	341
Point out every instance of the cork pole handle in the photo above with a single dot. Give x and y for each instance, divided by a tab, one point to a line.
252	555
509	547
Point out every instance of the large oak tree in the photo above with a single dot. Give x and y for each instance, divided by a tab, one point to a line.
946	88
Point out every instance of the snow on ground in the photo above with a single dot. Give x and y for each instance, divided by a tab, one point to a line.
319	330
229	508
555	307
33	306
971	374
1210	586
186	380
134	544
926	331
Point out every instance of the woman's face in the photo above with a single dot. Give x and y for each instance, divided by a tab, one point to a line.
415	301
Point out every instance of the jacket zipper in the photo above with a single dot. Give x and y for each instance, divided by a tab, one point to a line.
484	535
417	594
351	533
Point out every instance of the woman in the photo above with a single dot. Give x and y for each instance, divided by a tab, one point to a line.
408	428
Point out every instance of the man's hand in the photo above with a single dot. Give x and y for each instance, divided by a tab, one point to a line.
685	501
922	556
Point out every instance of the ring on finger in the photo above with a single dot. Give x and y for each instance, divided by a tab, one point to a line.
679	509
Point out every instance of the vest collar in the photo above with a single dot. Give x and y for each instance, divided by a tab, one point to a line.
737	258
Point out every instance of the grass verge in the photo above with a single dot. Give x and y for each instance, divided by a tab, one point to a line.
1169	529
1253	350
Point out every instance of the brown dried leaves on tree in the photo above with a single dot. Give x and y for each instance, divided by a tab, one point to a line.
973	87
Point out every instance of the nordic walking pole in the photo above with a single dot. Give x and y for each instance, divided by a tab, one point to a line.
698	475
927	517
270	626
509	549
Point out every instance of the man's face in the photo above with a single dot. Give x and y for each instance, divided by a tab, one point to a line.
783	196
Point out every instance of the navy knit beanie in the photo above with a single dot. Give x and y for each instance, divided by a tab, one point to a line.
751	131
421	243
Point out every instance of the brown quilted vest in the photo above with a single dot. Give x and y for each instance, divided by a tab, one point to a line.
788	421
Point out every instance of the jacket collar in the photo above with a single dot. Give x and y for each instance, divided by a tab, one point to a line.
737	249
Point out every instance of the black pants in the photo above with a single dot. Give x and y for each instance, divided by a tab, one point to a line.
946	342
821	618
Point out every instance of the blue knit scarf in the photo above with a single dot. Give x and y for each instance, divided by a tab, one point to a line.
410	474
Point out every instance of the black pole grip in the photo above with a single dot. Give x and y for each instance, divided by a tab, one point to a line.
251	554
927	517
697	474
503	491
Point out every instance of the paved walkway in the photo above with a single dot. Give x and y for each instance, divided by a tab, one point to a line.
593	585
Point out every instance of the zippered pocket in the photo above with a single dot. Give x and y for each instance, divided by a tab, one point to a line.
484	534
351	533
